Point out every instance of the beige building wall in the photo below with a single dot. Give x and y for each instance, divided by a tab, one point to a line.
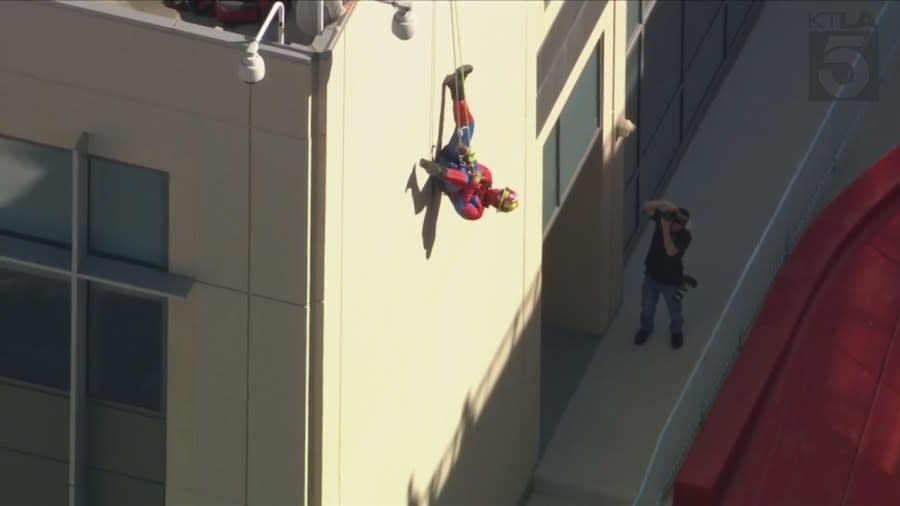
430	360
583	243
166	96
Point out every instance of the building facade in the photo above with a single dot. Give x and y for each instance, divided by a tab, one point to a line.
222	293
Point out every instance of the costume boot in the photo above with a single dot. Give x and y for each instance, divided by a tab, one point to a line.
455	82
431	167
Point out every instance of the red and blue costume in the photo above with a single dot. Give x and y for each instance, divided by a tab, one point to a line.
467	181
468	191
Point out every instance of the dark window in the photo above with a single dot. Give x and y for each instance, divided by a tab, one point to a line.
570	141
125	347
700	73
34	329
632	107
632	205
632	17
36	191
128	216
662	65
737	13
698	15
551	174
579	120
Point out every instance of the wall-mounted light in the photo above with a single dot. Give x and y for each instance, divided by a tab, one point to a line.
624	128
404	23
253	68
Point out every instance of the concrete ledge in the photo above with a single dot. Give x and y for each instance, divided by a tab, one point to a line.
145	280
704	474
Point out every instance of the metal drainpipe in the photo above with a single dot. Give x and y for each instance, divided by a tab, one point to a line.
320	17
316	281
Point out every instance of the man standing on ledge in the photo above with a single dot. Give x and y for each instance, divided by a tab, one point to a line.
664	271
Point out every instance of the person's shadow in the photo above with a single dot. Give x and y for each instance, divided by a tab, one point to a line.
428	197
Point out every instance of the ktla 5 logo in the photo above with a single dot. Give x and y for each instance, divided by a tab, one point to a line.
843	56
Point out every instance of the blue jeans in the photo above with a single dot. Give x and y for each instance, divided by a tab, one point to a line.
649	295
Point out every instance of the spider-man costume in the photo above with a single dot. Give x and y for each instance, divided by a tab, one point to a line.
467	191
467	182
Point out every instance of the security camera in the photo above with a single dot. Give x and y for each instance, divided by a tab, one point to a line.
253	68
624	128
404	23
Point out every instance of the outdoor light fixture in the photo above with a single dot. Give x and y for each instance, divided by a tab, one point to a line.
404	24
624	128
253	68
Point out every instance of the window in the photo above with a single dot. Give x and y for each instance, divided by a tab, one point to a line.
36	191
662	65
128	214
125	348
551	175
698	16
34	329
632	18
573	133
578	121
117	303
632	107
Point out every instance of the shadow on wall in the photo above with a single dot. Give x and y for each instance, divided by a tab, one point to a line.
492	454
428	197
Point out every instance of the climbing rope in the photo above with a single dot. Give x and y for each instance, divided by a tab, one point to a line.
457	42
457	58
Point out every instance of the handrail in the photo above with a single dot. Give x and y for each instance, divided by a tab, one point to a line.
662	471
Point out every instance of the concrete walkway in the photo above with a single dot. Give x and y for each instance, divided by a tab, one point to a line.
753	137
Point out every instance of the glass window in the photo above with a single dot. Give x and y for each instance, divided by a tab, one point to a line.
702	70
36	191
35	319
128	215
632	109
632	209
698	14
737	11
662	65
632	17
579	120
551	174
125	347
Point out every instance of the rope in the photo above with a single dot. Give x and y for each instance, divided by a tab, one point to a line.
457	42
457	56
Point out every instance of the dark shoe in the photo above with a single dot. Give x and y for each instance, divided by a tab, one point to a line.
641	337
455	82
677	340
461	72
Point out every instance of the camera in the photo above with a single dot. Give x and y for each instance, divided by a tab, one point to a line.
686	282
672	215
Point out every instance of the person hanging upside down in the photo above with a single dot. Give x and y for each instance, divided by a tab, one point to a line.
467	181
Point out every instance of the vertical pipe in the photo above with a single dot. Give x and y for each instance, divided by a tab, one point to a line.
320	17
77	331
